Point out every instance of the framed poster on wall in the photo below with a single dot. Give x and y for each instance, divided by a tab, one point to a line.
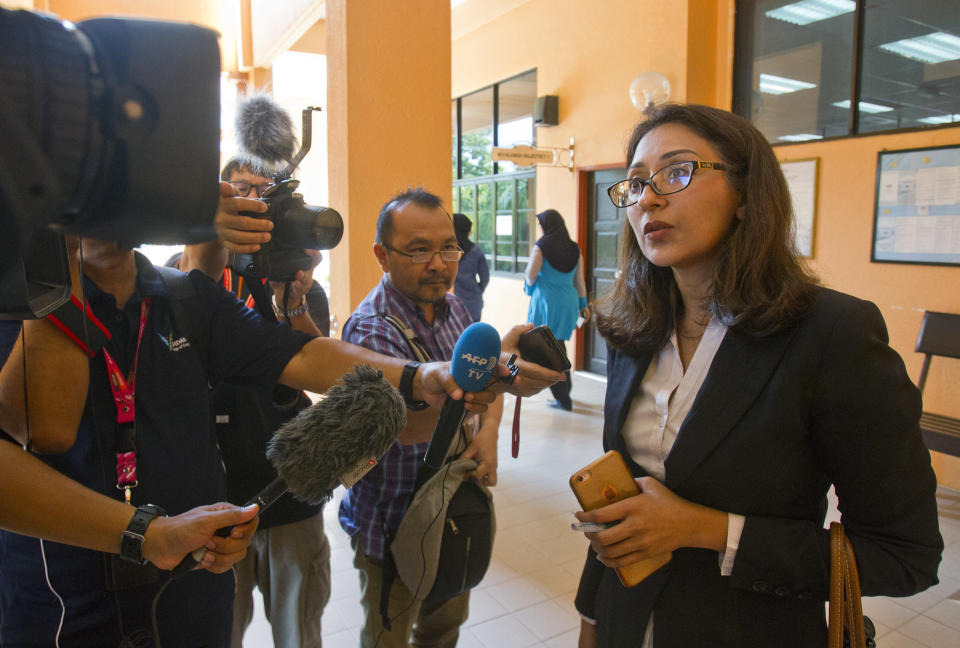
917	206
801	177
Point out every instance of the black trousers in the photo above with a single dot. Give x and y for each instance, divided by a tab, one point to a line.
561	390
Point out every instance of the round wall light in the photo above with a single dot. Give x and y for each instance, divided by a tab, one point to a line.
649	89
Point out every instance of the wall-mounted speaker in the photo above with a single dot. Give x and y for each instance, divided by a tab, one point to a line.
546	111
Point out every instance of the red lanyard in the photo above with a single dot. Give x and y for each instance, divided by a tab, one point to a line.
123	392
228	284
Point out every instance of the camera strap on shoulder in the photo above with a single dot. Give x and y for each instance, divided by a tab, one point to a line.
258	299
416	346
69	318
389	566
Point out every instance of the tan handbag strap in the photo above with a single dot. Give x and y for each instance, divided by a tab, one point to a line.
836	587
846	613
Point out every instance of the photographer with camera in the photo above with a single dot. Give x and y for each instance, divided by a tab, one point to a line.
289	558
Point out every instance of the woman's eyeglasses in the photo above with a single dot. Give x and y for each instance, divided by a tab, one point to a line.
244	188
668	180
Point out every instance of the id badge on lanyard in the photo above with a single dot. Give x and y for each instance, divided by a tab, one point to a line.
123	389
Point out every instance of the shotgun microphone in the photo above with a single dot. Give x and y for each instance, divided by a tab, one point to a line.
264	129
474	358
336	440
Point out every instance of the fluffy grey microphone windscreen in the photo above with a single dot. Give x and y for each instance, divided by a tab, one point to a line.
357	420
265	130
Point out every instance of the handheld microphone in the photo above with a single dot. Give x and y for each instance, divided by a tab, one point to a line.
474	358
336	440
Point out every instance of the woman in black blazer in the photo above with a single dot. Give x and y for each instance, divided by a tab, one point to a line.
739	391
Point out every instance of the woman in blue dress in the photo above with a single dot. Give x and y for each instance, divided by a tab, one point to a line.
474	273
558	293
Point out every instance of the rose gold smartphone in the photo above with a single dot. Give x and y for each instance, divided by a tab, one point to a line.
605	481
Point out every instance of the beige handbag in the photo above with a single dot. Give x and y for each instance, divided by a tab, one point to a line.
848	627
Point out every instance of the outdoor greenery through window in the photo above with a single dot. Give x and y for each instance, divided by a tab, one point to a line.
810	69
497	196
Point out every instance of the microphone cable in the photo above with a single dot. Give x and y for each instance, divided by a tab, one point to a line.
63	607
155	627
26	448
27	444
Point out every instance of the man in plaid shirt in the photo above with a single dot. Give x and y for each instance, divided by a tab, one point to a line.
416	247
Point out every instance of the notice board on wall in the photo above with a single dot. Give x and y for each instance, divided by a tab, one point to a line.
917	206
801	177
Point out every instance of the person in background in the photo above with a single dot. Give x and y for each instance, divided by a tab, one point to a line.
289	556
474	273
739	391
558	293
417	250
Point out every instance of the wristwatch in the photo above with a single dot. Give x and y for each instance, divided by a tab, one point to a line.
406	387
131	540
300	309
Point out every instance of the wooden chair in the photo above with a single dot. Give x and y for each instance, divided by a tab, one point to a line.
940	336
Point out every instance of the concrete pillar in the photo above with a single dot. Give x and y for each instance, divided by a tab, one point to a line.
388	118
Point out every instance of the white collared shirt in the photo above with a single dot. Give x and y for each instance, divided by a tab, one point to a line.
661	404
665	397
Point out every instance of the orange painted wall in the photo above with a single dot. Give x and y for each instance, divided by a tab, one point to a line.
388	118
842	244
214	14
587	53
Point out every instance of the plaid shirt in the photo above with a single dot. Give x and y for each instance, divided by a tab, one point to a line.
376	504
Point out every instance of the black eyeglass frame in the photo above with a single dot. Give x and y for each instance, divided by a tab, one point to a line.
261	188
432	253
694	165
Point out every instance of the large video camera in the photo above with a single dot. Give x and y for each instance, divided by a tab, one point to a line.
296	225
111	130
101	140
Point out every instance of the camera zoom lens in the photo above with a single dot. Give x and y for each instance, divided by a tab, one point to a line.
327	227
308	227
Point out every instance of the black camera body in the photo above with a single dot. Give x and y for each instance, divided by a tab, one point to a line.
296	226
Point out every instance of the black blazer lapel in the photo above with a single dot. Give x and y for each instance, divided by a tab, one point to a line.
623	380
741	368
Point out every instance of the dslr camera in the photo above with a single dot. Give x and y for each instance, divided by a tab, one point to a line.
296	225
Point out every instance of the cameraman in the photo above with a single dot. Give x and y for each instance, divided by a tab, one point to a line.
63	593
289	558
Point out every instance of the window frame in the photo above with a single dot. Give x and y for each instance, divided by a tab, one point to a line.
516	258
744	32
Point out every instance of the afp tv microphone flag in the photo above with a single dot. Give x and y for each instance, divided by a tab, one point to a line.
475	356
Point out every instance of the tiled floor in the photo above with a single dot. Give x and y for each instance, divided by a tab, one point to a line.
526	598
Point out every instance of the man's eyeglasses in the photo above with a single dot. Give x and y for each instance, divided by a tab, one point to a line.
244	188
668	180
447	255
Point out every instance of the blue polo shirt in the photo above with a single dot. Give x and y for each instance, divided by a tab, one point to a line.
178	467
